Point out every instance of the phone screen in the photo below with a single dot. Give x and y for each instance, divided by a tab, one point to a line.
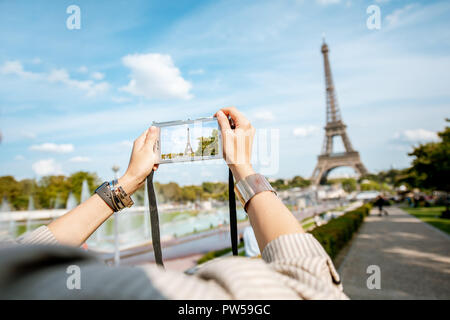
189	140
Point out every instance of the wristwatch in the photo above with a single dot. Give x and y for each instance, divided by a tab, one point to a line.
105	193
114	196
122	197
250	186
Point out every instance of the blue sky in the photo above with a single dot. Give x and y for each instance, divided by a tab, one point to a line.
75	99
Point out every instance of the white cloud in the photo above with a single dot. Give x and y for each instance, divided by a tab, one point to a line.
46	167
80	159
196	71
82	69
264	115
28	134
19	157
327	2
398	16
55	76
126	144
92	88
53	147
416	136
120	99
154	76
36	61
97	75
15	67
305	131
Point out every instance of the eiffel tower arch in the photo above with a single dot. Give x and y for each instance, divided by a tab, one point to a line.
328	160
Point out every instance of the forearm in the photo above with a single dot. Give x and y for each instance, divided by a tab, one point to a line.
268	215
78	224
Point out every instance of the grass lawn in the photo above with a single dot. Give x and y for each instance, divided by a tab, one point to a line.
431	216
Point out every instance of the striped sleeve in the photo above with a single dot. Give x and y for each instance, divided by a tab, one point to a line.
293	267
304	259
41	235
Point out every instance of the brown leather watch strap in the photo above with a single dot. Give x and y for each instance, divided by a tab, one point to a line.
105	193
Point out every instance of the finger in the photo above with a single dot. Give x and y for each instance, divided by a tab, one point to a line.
223	121
152	136
239	119
139	142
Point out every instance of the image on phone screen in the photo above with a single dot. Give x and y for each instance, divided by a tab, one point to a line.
189	140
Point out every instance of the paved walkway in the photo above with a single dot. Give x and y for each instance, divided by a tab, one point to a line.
414	259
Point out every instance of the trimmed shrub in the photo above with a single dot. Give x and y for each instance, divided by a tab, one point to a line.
218	253
336	233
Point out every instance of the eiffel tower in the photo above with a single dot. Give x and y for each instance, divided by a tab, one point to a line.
328	160
188	150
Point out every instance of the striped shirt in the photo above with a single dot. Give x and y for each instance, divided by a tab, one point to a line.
293	266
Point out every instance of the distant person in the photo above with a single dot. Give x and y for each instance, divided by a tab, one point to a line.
317	220
47	263
380	202
250	243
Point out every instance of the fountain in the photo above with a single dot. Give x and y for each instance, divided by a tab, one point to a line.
57	204
30	209
85	192
12	223
5	205
71	202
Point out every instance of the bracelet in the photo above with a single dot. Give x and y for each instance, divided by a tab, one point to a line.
115	197
250	186
104	192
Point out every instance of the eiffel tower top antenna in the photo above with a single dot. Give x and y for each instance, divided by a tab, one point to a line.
333	113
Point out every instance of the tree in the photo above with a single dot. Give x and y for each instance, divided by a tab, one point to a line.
431	164
368	185
348	184
300	182
170	191
208	146
50	188
76	179
191	193
279	184
10	190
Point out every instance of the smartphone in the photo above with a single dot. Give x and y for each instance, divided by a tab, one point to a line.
189	140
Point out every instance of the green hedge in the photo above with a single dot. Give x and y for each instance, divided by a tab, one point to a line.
335	234
217	253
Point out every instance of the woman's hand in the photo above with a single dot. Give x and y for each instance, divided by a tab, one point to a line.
142	161
237	143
